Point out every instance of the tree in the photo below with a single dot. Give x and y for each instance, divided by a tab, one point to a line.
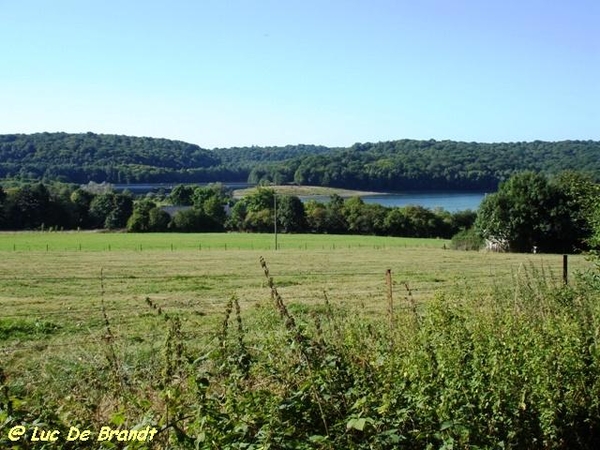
193	221
362	218
120	213
290	214
181	195
463	220
187	221
236	218
396	223
376	215
254	212
259	221
80	201
214	207
316	216
527	212
2	208
582	197
262	198
158	220
335	220
140	219
422	222
110	210
29	207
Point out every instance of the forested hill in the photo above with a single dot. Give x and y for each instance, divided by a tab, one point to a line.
393	165
410	164
84	157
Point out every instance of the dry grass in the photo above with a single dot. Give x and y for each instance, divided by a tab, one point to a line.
306	191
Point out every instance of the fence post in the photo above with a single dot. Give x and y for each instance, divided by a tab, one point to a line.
566	269
388	281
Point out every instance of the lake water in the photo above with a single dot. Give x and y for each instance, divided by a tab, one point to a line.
450	201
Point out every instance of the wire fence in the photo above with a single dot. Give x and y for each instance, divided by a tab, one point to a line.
207	247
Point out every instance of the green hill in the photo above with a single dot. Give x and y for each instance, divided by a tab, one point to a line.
385	166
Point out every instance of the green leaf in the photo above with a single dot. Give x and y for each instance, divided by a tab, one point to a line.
118	418
447	424
356	424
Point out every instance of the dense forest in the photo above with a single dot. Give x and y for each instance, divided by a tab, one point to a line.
386	166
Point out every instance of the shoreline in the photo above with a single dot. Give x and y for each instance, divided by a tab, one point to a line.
309	191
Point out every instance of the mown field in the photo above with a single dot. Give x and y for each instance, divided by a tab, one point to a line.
132	329
61	278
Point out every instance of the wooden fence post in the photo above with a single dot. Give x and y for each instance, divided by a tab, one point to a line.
388	281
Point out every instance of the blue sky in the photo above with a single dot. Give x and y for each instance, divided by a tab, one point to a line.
223	73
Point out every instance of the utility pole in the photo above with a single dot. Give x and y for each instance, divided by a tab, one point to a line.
275	217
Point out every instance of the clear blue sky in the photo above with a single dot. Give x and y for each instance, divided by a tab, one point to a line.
223	73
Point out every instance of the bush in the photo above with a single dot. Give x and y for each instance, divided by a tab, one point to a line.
466	240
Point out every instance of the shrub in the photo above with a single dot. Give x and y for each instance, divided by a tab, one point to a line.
466	240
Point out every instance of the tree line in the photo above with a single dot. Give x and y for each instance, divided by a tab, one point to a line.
386	166
530	212
212	208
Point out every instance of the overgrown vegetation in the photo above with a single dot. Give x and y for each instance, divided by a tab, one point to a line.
512	366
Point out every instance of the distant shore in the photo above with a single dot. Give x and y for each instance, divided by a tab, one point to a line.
307	191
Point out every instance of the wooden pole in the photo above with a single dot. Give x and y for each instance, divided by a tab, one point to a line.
275	218
388	281
566	269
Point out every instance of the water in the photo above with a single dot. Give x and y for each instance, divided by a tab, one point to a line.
450	201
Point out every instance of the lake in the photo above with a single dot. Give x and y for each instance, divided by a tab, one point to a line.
449	200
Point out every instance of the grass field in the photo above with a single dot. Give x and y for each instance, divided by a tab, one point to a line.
100	241
56	277
69	301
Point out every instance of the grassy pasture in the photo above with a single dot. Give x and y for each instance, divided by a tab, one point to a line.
99	241
57	289
52	293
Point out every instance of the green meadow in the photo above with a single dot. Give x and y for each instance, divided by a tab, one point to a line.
105	241
62	277
185	332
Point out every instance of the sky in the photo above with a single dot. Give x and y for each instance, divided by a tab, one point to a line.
223	73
